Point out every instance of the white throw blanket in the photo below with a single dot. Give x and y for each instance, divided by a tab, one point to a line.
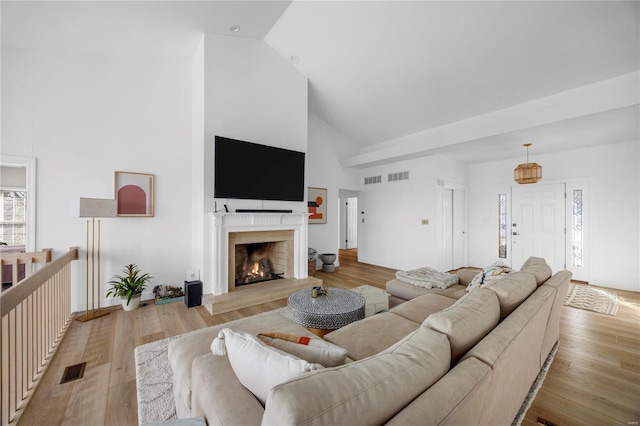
489	275
428	278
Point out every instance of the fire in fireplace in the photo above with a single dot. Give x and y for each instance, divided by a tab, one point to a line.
253	264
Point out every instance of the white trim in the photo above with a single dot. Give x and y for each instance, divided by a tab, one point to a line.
220	224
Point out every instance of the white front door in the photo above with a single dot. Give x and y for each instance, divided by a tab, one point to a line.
538	224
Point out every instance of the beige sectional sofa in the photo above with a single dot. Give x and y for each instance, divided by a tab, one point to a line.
457	358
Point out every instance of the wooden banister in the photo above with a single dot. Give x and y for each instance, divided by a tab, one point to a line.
26	259
35	316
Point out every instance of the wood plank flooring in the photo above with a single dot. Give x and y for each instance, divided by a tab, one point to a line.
595	378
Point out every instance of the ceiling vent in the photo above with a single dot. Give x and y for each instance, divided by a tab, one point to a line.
372	179
398	176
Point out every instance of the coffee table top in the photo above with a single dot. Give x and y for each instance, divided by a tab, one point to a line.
329	312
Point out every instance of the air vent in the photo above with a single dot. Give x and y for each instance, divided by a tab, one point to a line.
398	176
372	179
73	372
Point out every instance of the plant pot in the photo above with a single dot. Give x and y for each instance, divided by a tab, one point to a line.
133	303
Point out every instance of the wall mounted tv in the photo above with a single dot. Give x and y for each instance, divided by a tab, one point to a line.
246	170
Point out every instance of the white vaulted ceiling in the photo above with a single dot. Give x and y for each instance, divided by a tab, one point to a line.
421	77
474	80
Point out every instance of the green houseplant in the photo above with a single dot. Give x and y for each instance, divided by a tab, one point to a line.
129	287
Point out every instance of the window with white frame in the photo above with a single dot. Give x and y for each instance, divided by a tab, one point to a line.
13	217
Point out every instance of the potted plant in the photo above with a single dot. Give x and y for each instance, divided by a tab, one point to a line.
129	287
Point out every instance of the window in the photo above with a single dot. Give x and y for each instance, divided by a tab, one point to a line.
13	219
502	226
577	229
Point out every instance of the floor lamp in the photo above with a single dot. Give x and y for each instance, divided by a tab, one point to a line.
94	208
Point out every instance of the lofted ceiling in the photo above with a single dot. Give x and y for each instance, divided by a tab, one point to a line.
400	79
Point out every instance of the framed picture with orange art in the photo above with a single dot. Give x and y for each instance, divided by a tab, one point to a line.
134	194
317	205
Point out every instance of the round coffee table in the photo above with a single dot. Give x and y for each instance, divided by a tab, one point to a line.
324	314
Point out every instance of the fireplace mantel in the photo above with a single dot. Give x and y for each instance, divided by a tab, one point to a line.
221	224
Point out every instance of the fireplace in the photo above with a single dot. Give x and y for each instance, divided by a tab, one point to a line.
254	264
259	256
285	234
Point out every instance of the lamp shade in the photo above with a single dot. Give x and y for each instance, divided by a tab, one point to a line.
527	173
95	207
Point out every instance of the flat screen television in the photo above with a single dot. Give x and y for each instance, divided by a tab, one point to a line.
247	170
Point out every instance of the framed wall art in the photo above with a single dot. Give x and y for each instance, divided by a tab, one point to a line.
317	205
134	194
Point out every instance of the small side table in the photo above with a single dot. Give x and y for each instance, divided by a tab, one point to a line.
324	314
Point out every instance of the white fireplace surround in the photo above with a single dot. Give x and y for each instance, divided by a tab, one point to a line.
221	224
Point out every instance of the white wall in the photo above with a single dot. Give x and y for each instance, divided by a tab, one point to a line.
392	234
612	206
326	145
83	117
250	93
255	95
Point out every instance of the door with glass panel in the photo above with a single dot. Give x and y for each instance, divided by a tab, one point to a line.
538	224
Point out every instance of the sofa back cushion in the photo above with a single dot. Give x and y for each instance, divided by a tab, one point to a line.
538	267
467	321
369	391
513	290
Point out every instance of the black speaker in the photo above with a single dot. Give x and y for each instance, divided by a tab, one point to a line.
192	293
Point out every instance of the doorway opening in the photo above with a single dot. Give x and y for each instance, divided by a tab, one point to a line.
348	227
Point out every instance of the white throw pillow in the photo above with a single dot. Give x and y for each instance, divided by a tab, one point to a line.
257	366
316	351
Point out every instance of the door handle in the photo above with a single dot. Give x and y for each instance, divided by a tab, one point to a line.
514	233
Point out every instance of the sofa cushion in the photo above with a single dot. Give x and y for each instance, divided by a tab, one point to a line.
316	351
407	291
467	321
538	267
183	350
218	396
455	399
512	291
418	309
371	335
257	366
369	391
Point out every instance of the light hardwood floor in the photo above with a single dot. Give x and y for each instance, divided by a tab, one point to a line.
594	379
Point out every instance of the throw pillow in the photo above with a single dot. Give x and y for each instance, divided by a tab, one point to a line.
257	366
315	351
489	275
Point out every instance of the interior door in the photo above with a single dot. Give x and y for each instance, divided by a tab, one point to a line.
352	222
453	228
538	224
447	229
459	208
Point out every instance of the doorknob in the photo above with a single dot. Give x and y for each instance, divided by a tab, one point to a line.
514	233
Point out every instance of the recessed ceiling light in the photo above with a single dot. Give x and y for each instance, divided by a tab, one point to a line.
295	59
234	28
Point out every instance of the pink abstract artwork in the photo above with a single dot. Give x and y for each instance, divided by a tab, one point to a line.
132	200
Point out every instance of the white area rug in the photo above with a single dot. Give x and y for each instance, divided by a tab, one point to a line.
535	387
584	296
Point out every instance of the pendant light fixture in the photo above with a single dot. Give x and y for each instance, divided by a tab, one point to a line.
528	172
